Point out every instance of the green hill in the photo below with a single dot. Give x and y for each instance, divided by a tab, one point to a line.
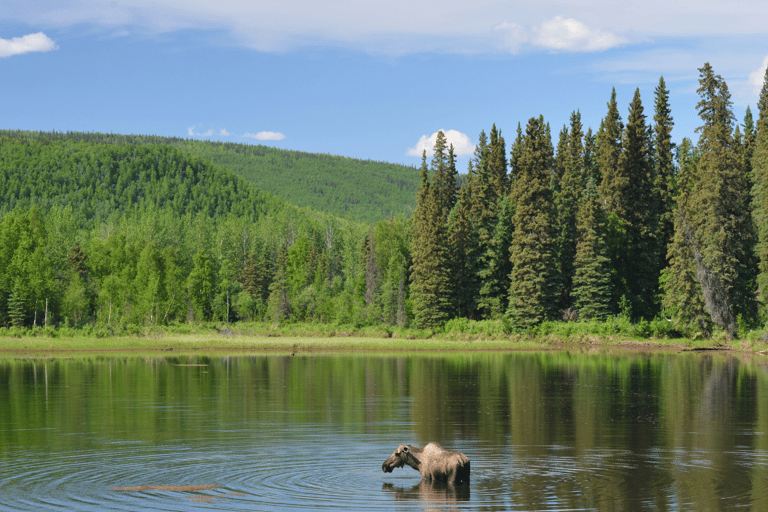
360	190
98	180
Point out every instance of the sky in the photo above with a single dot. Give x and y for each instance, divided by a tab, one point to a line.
365	79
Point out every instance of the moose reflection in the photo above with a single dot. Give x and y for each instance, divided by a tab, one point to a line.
434	463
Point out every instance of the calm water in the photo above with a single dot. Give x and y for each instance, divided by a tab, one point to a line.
544	431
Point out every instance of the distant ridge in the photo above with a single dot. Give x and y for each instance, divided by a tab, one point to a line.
360	190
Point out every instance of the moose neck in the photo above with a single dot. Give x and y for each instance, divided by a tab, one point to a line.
413	458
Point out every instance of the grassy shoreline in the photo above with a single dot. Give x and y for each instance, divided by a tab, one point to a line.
304	339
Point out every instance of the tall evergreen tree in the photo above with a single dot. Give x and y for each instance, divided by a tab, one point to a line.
682	295
430	279
494	275
533	288
567	197
498	164
612	184
664	185
592	272
759	166
721	227
637	258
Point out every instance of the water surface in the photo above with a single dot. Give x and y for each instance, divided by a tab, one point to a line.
544	431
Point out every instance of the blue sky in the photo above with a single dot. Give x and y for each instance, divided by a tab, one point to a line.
360	78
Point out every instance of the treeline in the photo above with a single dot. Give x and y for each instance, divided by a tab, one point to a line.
595	224
360	190
614	222
98	234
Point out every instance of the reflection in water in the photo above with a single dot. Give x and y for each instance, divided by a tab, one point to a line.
433	495
543	430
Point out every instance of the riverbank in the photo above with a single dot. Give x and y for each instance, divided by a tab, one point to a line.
304	340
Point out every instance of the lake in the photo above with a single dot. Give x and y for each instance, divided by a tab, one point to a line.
543	430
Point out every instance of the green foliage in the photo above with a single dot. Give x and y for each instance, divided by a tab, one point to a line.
533	290
664	185
567	194
362	190
430	272
759	166
592	274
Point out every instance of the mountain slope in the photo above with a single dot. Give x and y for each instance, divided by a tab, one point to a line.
361	190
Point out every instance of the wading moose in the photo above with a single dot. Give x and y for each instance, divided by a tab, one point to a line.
432	462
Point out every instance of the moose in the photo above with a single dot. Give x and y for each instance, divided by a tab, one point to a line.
434	463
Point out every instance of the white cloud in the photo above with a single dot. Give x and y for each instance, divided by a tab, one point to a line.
757	77
26	44
224	133
265	136
569	35
462	145
192	133
558	35
403	26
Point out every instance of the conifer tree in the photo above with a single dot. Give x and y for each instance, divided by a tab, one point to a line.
759	166
279	306
559	164
589	164
592	272
430	280
567	198
514	156
533	288
462	246
720	224
682	295
636	258
494	275
607	156
488	206
664	169
497	164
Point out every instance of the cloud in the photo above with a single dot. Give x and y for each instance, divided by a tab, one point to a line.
192	133
757	77
26	44
399	27
224	133
265	136
558	35
569	35
462	145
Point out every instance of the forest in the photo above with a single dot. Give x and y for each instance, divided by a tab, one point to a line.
363	190
111	233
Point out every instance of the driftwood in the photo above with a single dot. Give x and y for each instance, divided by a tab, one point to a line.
432	462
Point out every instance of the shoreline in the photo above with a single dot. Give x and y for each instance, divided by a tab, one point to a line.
313	344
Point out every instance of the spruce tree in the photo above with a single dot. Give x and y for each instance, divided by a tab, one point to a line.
607	156
494	275
498	164
664	185
720	224
592	272
567	197
682	295
463	260
533	288
430	279
637	258
759	166
591	170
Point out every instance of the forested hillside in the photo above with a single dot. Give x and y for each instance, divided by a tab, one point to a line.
360	190
580	226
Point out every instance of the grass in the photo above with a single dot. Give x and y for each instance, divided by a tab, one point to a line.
296	338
